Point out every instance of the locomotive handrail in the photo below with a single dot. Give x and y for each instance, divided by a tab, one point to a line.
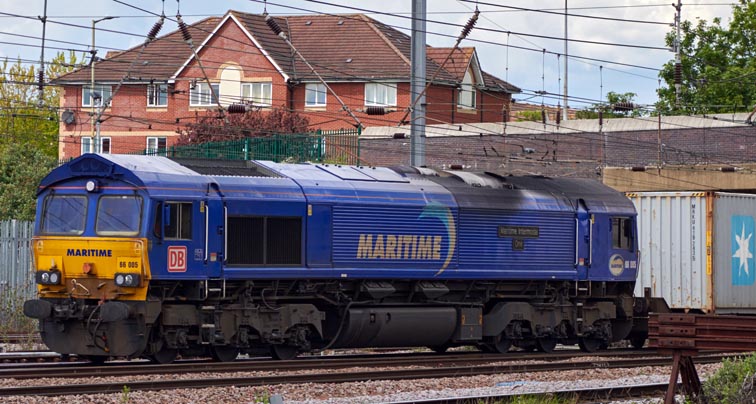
207	229
577	241
590	241
225	233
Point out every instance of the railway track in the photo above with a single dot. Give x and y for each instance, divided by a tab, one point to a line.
440	368
79	369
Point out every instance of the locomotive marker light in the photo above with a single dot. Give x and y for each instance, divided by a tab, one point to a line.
91	186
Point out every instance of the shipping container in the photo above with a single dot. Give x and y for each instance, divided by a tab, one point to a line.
697	250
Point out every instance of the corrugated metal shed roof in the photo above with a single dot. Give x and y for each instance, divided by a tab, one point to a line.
566	127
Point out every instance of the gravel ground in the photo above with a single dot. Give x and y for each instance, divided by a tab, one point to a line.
366	392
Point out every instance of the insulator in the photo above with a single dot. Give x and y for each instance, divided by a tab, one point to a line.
558	116
543	116
624	106
727	169
375	110
184	30
470	24
237	109
601	117
456	167
155	29
678	73
273	24
40	79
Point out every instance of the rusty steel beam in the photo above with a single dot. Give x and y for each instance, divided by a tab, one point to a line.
685	335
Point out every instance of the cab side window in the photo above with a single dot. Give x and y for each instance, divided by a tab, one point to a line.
622	233
173	220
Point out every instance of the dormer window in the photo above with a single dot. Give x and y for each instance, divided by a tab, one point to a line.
467	93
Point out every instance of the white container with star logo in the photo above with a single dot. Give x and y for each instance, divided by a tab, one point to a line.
697	250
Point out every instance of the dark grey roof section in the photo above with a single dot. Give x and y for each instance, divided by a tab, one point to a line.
523	193
239	168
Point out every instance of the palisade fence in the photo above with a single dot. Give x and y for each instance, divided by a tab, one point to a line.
337	146
16	276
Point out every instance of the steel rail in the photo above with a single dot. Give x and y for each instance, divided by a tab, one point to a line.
332	377
79	369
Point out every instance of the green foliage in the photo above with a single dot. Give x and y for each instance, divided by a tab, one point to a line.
125	394
541	399
215	128
23	119
12	318
727	384
529	116
22	166
612	99
718	65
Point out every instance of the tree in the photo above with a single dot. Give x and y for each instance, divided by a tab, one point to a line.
718	65
612	108
28	133
23	120
22	167
215	128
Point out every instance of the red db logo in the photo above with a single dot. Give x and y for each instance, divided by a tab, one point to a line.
177	259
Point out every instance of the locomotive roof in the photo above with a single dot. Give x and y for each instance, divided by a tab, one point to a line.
328	183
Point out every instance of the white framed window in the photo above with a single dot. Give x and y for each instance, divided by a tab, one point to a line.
87	145
157	95
258	93
98	96
156	146
201	96
315	95
105	145
380	94
467	94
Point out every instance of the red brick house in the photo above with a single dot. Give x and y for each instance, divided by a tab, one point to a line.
366	63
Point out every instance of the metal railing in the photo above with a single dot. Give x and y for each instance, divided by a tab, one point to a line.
341	146
16	276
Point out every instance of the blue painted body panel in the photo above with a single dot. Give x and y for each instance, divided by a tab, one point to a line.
370	222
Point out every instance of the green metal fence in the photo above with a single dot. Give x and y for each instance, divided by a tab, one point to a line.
341	146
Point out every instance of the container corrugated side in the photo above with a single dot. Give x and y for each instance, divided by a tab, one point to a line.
672	230
734	242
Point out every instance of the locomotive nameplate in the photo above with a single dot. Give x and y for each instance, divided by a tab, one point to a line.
131	263
519	231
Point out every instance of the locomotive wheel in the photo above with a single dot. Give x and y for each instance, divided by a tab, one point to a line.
546	344
439	348
502	344
224	353
487	348
164	356
283	352
637	342
96	360
590	344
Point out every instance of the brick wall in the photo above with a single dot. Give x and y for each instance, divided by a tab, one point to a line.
578	154
128	121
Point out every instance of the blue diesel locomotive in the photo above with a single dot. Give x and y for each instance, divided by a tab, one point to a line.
139	256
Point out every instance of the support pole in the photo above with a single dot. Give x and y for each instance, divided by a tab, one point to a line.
417	84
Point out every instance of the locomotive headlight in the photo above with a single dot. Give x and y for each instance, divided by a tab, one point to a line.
91	186
127	280
48	277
